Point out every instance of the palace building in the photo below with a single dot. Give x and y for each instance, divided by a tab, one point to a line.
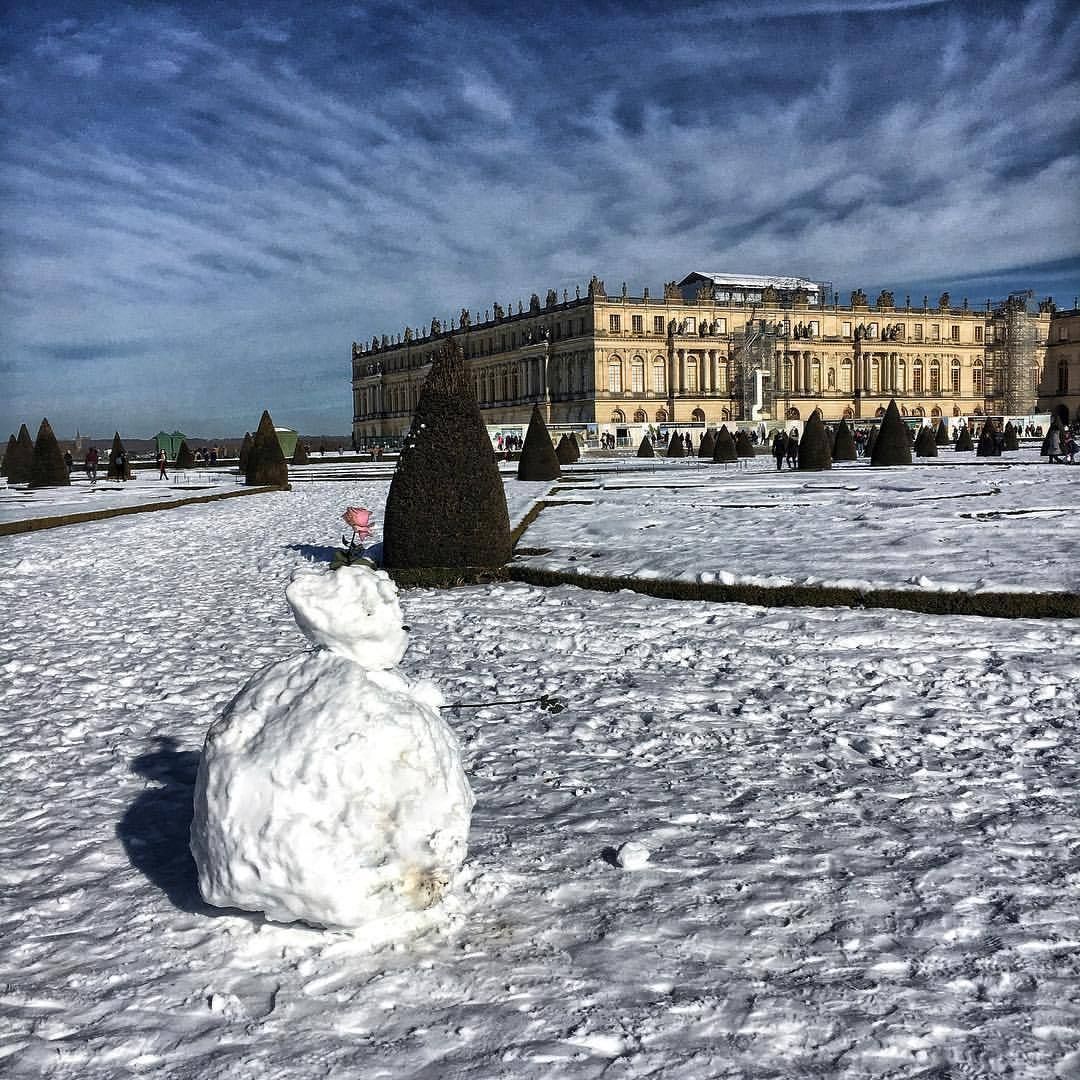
720	348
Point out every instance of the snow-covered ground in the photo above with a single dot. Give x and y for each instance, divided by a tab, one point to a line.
864	825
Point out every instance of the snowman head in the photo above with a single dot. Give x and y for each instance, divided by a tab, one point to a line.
353	612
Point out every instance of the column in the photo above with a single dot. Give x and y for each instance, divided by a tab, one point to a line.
712	371
682	372
808	382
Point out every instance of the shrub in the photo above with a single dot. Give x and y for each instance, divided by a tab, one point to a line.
1012	440
675	446
12	444
266	466
743	446
565	452
447	505
871	439
185	459
708	445
300	454
574	445
20	457
893	443
925	443
245	450
963	440
941	435
538	458
844	444
47	467
118	454
724	450
815	447
645	448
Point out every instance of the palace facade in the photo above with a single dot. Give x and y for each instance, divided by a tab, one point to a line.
725	348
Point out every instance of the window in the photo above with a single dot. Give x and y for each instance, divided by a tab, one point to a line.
637	375
955	332
691	325
659	383
614	376
658	324
935	331
871	330
721	376
978	333
918	331
721	326
935	377
954	377
814	329
691	375
637	321
977	378
614	323
1063	332
845	376
916	377
845	329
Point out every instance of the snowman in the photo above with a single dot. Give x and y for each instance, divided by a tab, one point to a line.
331	790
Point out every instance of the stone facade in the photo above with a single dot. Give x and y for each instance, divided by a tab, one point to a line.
621	359
1061	378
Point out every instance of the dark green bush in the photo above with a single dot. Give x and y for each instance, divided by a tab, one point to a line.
815	449
447	504
925	443
963	440
893	443
941	433
20	457
645	447
724	450
708	445
565	452
266	465
743	446
47	467
1012	440
300	454
538	459
987	446
675	447
844	444
185	458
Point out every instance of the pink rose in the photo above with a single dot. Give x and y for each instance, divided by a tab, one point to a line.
358	518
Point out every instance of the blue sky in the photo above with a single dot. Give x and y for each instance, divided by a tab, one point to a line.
204	205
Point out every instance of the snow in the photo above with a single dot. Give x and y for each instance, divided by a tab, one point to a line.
863	825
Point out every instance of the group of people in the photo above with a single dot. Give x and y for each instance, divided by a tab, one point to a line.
1061	446
785	447
507	443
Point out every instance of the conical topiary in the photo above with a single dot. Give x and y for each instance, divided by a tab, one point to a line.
564	452
1012	440
844	444
871	438
675	447
266	465
574	446
963	440
743	446
925	443
815	447
538	458
645	448
724	450
988	446
12	444
20	457
185	459
245	450
941	433
708	445
119	463
447	505
300	454
47	467
893	443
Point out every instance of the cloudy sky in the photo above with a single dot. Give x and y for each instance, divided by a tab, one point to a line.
204	205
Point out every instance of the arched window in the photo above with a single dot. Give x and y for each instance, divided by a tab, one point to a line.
918	411
903	410
792	413
661	416
618	416
901	377
614	375
691	373
845	375
637	375
722	375
849	413
640	417
880	412
935	412
954	375
935	376
698	416
725	414
978	411
916	377
977	377
659	379
815	376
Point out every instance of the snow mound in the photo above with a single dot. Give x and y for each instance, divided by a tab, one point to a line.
353	612
331	791
632	855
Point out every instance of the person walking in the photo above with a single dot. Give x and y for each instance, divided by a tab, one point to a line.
162	461
793	448
1053	445
91	464
69	461
779	448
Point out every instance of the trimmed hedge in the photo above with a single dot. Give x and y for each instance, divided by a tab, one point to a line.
185	459
724	450
988	446
893	443
538	460
645	447
564	452
1012	440
925	443
963	440
117	471
265	465
844	448
47	467
743	446
446	508
245	450
675	446
20	457
941	433
708	445
815	447
300	454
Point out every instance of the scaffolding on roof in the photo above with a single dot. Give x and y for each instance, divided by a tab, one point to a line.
1013	355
